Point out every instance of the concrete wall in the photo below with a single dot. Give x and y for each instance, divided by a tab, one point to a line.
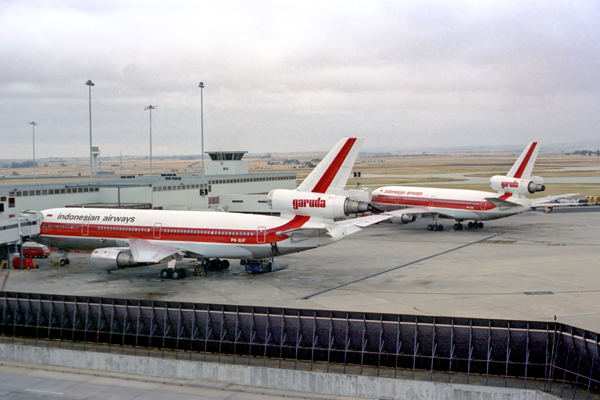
301	381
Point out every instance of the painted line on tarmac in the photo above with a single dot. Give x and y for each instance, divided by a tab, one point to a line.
401	266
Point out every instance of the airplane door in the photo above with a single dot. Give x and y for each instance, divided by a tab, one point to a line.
85	228
157	231
261	234
432	201
482	205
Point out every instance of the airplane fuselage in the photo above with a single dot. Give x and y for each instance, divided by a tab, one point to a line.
200	234
459	204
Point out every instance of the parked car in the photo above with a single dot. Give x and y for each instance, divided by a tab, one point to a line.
35	250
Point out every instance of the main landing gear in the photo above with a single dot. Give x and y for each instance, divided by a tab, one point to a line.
216	264
171	272
434	225
458	226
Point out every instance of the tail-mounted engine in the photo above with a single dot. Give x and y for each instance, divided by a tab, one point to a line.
113	258
310	204
517	186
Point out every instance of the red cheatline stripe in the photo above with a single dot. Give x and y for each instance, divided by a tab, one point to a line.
297	222
519	172
329	175
505	196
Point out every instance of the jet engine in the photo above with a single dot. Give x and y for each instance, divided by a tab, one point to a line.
114	257
517	186
310	204
403	219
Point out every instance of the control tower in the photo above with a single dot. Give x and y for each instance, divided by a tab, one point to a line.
226	163
95	154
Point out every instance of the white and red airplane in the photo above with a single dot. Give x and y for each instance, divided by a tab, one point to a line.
406	203
127	238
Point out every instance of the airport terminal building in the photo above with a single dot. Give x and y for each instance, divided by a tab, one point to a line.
226	186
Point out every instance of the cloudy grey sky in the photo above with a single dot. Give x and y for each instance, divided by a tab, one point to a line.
296	76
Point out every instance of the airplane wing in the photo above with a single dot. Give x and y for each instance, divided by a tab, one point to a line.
411	211
146	251
549	200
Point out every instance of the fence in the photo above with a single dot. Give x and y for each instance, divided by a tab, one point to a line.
549	356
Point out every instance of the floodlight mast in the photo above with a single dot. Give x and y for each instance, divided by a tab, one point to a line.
33	125
89	83
201	86
150	107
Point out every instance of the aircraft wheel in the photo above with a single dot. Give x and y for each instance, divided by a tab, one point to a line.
224	264
67	261
176	274
429	227
456	227
460	227
440	227
165	274
183	272
63	262
480	225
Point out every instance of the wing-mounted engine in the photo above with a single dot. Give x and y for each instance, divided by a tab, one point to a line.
522	186
403	219
113	258
322	205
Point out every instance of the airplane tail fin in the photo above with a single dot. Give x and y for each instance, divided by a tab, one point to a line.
334	170
524	165
519	180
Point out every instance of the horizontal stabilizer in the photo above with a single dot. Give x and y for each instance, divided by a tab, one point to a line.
501	203
146	251
301	234
354	225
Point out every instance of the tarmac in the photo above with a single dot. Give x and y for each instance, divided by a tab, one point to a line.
533	266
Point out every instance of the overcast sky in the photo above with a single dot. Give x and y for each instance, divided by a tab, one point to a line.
296	76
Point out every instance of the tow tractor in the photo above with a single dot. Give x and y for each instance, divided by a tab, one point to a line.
261	265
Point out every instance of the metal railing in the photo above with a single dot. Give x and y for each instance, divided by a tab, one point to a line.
548	356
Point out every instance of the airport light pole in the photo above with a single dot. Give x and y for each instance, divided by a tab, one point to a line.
201	86
150	107
33	125
89	83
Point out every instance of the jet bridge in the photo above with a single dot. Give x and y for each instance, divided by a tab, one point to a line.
14	231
